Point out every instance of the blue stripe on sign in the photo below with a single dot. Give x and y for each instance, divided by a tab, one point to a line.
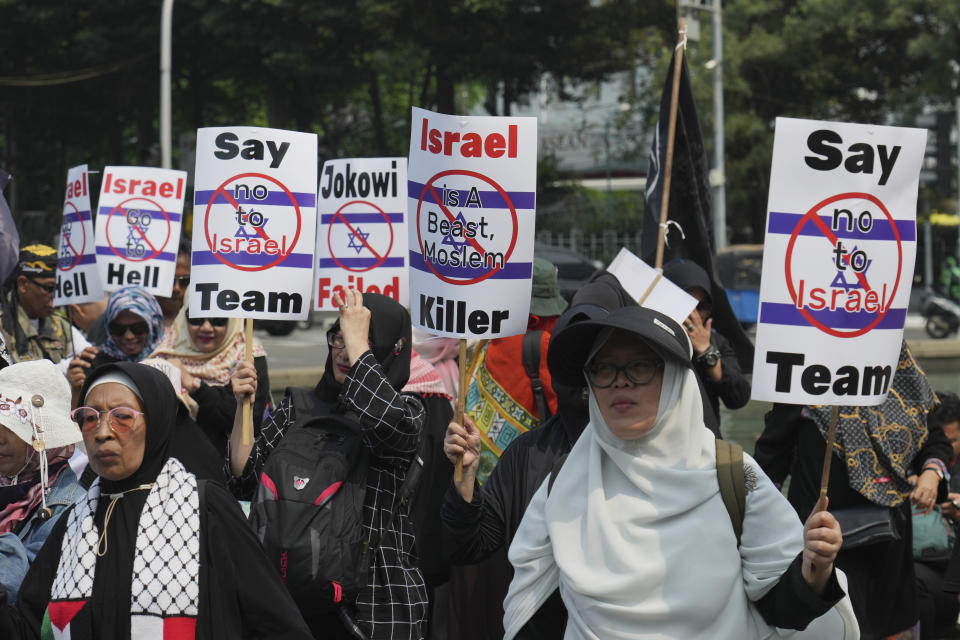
510	271
788	314
107	251
488	199
361	217
785	223
85	259
357	263
75	216
156	215
274	198
293	260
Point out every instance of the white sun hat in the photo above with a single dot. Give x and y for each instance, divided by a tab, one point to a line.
35	405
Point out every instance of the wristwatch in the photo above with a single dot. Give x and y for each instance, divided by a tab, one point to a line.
708	358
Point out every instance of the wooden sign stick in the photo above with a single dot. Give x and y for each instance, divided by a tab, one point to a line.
246	433
828	454
461	401
671	135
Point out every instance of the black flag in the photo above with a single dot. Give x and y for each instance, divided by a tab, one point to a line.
689	206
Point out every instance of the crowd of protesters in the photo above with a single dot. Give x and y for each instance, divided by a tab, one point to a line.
591	502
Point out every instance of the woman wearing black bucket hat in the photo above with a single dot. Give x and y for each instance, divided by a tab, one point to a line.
633	529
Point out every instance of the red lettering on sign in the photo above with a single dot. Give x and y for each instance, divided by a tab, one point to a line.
77	188
135	186
468	144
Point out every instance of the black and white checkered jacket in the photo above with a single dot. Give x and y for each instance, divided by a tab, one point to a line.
394	604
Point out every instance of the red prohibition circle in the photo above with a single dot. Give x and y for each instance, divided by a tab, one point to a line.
789	258
339	214
83	235
503	194
220	190
119	207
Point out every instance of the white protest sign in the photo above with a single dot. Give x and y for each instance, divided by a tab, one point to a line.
472	188
78	279
636	276
838	261
254	223
362	233
138	227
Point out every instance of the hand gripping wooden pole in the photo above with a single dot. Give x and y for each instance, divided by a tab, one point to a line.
246	433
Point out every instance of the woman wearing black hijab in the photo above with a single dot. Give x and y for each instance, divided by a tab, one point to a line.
161	554
367	366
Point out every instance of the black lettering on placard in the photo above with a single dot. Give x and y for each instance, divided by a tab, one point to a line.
452	316
229	300
363	184
252	149
860	159
817	379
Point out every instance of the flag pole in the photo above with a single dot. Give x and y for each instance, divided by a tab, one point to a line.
671	134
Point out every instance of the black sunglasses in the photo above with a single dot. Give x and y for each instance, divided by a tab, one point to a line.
136	328
183	281
214	322
47	288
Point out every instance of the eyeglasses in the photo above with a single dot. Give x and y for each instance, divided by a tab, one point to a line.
136	328
604	374
336	341
214	322
120	419
183	281
49	289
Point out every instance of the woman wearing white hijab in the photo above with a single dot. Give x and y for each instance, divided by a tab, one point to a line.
634	531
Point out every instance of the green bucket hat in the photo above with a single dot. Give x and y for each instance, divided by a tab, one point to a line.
545	298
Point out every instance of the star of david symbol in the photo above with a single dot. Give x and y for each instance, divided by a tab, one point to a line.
841	282
133	237
454	242
358	235
248	231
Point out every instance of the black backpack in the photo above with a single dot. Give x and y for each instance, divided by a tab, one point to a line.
308	509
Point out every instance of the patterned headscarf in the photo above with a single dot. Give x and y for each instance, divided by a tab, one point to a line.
137	300
215	367
879	444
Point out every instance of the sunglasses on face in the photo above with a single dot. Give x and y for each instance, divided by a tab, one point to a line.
639	372
136	328
49	289
182	281
120	419
214	322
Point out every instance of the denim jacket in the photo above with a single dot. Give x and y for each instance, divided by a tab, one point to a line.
17	550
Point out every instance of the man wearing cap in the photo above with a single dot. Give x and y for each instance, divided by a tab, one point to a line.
29	327
714	360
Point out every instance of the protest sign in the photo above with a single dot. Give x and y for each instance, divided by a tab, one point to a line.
254	223
648	286
362	232
78	279
472	195
138	227
838	261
